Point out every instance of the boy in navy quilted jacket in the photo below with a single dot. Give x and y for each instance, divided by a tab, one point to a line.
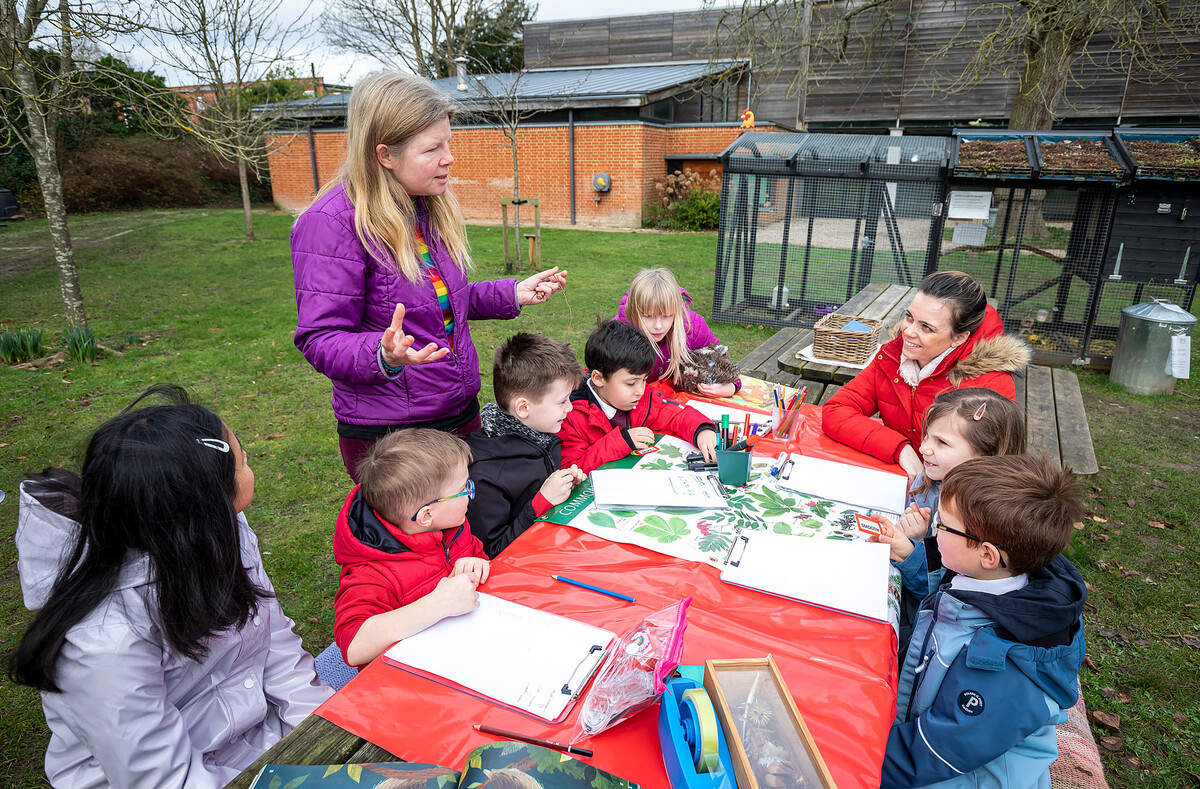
994	658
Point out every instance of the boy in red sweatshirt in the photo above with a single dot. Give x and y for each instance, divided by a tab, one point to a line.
408	557
612	412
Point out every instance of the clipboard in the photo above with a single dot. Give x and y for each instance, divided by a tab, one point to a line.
847	576
866	488
529	661
658	489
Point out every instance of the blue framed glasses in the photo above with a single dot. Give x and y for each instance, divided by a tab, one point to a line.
937	524
468	491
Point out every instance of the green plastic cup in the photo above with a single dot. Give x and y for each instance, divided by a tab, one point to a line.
733	468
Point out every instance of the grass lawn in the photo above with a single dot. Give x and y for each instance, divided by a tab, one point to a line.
182	300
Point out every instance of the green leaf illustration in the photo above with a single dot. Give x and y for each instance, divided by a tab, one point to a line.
331	769
662	530
810	523
657	463
295	782
781	528
622	513
713	542
602	519
275	783
446	780
355	772
670	451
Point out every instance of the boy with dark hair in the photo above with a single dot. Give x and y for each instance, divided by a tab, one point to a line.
517	454
612	412
408	557
994	658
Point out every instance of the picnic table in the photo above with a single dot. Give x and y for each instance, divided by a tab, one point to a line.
840	669
1055	419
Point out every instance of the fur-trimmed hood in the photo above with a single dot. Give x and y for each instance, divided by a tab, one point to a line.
1002	354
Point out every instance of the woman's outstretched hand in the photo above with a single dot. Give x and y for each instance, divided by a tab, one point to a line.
396	346
538	288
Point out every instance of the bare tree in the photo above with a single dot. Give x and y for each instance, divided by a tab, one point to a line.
1034	42
229	49
422	36
40	80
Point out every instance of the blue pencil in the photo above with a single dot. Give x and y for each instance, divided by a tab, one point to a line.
582	585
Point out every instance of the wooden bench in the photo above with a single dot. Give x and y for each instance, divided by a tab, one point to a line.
1055	420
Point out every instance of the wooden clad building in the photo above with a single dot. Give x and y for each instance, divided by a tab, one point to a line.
893	85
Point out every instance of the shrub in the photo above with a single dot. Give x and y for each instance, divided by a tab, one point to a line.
686	201
20	345
700	210
81	345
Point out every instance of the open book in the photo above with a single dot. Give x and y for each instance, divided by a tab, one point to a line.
498	765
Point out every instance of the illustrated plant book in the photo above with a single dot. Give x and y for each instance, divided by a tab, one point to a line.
497	765
866	488
528	660
637	488
841	575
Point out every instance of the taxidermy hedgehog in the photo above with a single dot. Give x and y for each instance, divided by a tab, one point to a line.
709	365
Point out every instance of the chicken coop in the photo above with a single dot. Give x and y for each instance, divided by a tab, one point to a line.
1028	214
808	219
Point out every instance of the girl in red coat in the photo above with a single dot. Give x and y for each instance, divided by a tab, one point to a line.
949	339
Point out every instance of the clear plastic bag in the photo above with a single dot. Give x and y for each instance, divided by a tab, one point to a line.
632	676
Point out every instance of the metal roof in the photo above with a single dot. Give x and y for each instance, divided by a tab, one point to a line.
839	155
607	86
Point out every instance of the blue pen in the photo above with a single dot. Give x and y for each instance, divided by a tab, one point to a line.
582	585
778	464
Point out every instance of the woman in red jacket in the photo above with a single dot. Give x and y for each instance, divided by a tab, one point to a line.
949	339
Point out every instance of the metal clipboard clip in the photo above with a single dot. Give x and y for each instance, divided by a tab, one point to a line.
738	539
716	483
566	688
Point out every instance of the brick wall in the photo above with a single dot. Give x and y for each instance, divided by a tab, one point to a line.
632	154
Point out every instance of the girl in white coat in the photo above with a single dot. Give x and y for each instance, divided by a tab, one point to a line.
162	656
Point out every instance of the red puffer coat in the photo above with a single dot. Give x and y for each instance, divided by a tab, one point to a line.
383	568
986	360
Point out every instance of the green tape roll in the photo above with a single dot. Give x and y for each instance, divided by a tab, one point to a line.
697	704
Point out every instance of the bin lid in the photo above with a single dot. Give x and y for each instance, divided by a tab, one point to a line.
1160	311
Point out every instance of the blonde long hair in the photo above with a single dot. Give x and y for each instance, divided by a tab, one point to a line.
654	291
390	107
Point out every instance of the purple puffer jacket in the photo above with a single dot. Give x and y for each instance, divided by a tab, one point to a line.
345	299
698	335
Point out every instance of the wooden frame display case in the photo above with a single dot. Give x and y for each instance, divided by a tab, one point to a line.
768	741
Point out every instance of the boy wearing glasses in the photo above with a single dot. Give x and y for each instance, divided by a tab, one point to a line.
408	557
996	649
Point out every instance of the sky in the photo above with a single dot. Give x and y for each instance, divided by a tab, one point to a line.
344	69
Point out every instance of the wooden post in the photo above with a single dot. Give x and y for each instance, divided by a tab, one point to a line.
535	243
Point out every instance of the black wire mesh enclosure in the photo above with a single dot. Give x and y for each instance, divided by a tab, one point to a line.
1028	215
808	220
1154	246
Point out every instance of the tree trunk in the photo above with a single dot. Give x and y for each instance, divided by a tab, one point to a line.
43	133
244	180
1047	64
516	196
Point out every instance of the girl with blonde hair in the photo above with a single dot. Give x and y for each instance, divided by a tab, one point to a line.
657	306
381	260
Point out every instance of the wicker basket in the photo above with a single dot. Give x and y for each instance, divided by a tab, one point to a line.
831	341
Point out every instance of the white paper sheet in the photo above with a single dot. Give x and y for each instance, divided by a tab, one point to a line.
511	653
861	487
635	488
1179	361
843	575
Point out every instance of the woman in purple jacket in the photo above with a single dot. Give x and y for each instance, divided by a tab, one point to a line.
381	261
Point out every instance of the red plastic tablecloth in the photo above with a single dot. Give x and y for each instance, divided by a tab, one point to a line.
840	670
